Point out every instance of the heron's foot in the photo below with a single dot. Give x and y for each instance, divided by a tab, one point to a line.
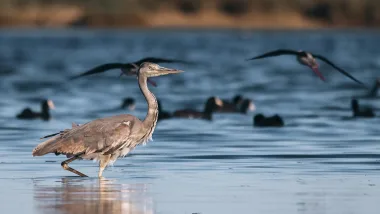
65	166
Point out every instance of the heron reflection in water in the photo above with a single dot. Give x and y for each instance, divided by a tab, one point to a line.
92	197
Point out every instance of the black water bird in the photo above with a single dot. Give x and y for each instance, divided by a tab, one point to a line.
246	105
231	106
128	103
29	114
242	107
211	106
162	115
358	111
260	120
307	59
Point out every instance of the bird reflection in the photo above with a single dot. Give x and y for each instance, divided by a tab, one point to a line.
92	197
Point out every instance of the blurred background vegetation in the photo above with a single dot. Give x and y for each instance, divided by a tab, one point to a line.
191	13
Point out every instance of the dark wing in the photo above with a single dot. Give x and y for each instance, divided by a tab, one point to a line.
100	69
373	91
277	53
160	60
337	68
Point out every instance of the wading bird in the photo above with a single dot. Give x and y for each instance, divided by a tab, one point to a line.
107	139
29	114
307	59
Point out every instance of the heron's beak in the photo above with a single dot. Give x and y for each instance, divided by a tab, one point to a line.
316	71
50	104
132	72
164	71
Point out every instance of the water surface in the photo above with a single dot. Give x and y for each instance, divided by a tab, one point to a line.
322	161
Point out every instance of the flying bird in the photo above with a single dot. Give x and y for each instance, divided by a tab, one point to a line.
307	59
126	68
107	139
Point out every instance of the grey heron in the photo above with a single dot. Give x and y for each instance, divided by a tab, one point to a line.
29	114
307	59
107	139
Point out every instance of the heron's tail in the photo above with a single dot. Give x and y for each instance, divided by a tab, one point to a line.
45	147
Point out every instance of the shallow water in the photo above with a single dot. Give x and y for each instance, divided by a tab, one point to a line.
322	161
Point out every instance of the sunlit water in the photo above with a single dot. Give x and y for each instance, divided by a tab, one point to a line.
322	161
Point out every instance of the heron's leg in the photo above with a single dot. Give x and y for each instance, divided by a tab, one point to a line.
65	165
104	160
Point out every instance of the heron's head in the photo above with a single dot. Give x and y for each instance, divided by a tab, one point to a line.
153	70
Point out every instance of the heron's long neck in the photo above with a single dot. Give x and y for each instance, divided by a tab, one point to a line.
152	115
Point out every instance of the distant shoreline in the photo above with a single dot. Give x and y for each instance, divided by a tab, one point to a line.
276	17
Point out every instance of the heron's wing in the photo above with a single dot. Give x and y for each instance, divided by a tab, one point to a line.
73	125
100	69
276	53
99	135
160	60
337	68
